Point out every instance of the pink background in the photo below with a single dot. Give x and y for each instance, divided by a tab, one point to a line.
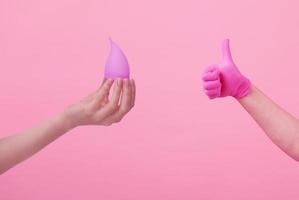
175	144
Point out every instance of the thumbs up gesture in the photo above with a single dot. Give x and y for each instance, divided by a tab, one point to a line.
224	79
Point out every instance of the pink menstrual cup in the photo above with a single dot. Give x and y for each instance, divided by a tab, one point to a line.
117	65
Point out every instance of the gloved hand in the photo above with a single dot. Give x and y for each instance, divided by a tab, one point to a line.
224	79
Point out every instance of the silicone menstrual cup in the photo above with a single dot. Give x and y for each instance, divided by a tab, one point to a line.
117	65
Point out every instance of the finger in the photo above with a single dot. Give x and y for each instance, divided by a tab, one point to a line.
91	96
116	93
213	96
112	105
213	93
210	68
133	92
102	84
126	100
209	85
125	104
101	93
226	53
104	80
211	76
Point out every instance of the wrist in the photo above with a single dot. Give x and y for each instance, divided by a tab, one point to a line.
67	121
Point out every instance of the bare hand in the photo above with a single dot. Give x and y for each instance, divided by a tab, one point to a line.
100	108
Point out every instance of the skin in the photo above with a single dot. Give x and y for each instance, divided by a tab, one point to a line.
225	79
281	127
98	108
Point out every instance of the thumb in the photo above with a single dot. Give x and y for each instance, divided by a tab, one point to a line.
226	54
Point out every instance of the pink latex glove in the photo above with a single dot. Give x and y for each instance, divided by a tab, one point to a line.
224	79
117	65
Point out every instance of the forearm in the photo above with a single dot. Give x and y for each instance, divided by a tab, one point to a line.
281	127
19	147
95	109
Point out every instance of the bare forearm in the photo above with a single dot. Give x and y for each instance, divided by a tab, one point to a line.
95	109
281	127
19	147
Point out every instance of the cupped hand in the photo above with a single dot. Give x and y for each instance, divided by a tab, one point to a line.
102	108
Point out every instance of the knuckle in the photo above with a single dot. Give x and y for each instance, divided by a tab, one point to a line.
204	76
